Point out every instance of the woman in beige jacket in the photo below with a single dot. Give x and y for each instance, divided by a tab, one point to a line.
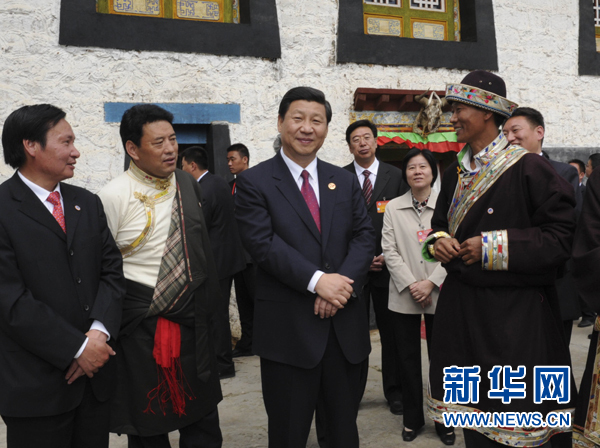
414	283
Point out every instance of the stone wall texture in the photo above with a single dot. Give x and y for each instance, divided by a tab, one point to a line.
537	55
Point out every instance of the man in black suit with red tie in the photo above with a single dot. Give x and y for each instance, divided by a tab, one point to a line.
380	182
305	224
217	208
61	283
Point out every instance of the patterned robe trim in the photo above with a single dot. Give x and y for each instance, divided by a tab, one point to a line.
589	436
427	250
514	437
494	250
175	274
167	191
497	157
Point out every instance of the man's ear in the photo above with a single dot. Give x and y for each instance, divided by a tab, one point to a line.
245	160
132	149
539	131
31	147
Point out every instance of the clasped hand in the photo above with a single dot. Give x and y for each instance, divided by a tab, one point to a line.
333	292
469	251
421	292
95	354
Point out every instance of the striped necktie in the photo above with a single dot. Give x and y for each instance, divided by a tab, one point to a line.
367	187
311	199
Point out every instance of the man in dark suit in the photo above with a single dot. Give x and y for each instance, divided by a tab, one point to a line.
217	208
526	128
238	160
61	283
306	226
588	316
380	183
580	192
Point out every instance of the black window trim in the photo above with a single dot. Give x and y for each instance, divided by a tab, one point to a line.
476	51
589	58
258	36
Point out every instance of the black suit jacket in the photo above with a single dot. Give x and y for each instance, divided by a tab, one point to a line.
388	185
568	173
52	287
282	238
217	207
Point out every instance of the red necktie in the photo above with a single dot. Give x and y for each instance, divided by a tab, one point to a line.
58	214
311	199
367	187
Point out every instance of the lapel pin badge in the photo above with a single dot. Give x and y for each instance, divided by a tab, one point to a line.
490	210
331	186
78	208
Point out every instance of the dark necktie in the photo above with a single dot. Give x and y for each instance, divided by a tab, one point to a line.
57	212
367	187
311	199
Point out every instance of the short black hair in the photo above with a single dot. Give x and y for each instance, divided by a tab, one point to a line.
28	123
360	124
595	158
241	149
306	94
428	156
533	116
579	163
134	119
196	154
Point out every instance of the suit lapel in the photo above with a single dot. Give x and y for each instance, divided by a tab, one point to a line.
290	191
327	195
32	206
72	211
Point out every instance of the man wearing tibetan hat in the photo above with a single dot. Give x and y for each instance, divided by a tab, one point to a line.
503	224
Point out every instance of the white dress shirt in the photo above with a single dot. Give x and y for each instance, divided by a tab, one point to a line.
373	169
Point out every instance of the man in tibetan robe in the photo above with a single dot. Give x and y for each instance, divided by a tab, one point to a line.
503	224
167	373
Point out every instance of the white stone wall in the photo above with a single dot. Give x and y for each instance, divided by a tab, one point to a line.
537	53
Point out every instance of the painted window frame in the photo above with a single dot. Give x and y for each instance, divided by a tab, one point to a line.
442	9
476	50
398	5
257	35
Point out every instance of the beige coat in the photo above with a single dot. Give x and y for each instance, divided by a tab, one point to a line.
402	252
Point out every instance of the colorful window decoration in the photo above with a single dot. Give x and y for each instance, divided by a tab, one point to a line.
201	10
383	25
397	3
417	19
136	7
432	5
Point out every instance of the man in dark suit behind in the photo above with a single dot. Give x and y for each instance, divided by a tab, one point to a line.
587	314
61	283
526	128
217	208
306	226
380	183
238	160
580	192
